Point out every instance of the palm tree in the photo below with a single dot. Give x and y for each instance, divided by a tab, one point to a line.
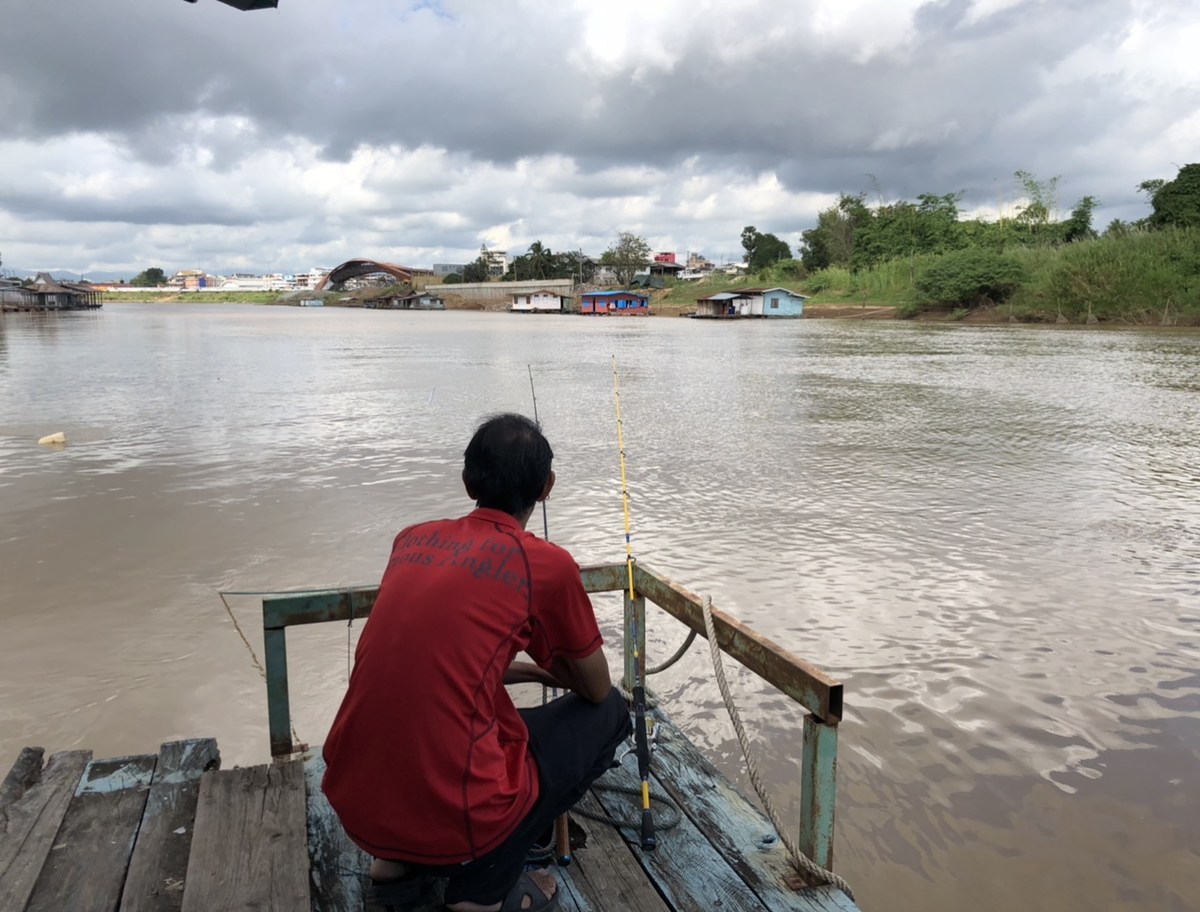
540	260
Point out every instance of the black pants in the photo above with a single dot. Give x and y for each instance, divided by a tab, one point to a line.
573	742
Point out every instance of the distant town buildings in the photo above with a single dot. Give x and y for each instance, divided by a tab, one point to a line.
497	261
663	266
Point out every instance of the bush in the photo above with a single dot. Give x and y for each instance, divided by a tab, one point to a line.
1138	277
970	277
833	278
907	311
787	269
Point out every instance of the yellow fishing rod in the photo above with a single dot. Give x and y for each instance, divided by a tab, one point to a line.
638	688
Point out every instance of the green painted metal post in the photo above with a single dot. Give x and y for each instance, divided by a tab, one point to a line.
279	712
635	634
818	790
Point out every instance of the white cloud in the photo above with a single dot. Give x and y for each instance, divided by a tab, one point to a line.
325	130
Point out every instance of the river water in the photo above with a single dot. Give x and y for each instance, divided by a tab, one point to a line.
989	534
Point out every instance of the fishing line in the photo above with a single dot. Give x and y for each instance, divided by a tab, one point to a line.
562	832
538	422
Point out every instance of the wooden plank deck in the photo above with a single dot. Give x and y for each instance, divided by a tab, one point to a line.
173	832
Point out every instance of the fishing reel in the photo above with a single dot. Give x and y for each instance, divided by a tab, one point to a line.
651	738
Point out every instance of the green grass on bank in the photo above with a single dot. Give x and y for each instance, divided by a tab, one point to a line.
1150	277
194	297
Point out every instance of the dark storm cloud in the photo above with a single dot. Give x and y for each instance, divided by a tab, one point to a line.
167	211
957	100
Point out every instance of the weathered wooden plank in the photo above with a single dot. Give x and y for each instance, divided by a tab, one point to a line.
339	871
685	867
606	873
158	866
829	899
34	804
570	897
85	871
248	850
739	831
24	773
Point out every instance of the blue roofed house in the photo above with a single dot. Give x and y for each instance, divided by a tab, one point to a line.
751	302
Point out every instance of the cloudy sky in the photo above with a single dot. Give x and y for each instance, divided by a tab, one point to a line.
156	132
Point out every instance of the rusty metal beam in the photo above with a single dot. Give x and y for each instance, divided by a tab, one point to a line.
316	607
820	694
818	791
603	577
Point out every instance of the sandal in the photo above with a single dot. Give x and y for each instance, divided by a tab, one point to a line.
527	887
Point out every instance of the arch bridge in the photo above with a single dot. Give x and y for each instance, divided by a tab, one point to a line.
352	269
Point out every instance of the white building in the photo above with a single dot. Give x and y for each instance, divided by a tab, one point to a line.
497	261
242	282
541	301
312	278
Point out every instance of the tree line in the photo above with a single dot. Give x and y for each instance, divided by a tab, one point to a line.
853	235
1046	266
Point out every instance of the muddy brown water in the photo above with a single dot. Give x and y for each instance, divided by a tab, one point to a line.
989	534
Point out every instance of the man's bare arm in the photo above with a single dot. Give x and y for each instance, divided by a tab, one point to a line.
528	673
588	677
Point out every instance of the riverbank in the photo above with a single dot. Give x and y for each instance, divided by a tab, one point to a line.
826	307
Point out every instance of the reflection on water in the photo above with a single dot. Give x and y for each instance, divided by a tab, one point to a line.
989	534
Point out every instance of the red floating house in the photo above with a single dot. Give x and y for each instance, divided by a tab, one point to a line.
615	303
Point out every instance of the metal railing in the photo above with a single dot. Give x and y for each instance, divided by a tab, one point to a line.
820	695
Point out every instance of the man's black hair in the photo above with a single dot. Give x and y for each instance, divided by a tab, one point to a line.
507	464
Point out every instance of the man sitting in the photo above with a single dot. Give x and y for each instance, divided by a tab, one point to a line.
431	768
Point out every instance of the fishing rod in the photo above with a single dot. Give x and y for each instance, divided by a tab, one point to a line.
562	824
642	742
537	421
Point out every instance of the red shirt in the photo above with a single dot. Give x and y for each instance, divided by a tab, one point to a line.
427	759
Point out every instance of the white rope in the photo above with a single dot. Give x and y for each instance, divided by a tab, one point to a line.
691	638
806	865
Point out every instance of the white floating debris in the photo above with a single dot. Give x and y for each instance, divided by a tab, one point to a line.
58	438
180	831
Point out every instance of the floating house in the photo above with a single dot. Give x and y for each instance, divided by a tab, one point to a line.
615	303
750	302
544	300
414	300
47	294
